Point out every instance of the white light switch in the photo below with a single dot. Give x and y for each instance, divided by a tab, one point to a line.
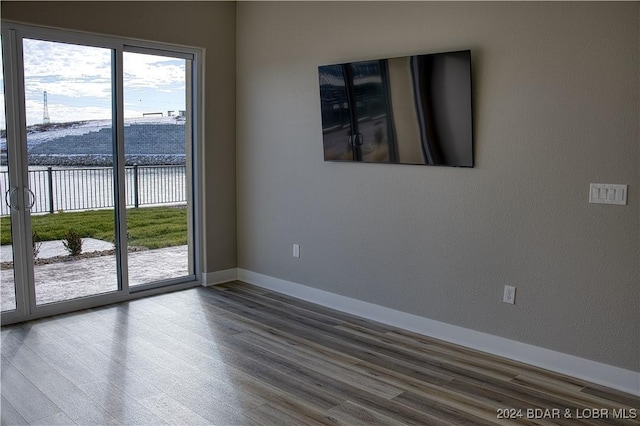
509	295
604	193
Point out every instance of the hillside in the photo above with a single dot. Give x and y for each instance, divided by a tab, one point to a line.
147	142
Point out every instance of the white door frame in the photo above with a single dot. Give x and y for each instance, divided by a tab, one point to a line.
12	35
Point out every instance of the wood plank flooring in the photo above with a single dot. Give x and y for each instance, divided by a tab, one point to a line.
240	355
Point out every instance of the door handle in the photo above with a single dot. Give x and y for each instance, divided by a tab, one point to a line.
12	203
356	139
31	197
6	197
9	199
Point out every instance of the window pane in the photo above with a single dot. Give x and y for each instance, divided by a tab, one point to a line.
158	163
70	143
7	280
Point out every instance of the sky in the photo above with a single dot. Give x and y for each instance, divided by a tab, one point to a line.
77	80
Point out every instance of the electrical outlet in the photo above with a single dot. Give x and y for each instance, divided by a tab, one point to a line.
296	250
509	294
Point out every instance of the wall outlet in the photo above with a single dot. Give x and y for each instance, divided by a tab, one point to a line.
296	250
509	294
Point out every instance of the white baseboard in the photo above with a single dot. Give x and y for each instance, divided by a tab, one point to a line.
219	277
592	371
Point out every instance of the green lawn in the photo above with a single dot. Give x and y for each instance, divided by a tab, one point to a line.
151	227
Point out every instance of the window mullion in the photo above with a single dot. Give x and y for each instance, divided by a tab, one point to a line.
119	167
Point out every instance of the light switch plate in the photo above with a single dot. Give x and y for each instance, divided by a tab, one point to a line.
605	193
509	295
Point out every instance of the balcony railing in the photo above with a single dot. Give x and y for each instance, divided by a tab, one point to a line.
68	189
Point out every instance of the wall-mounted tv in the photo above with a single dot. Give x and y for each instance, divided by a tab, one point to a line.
406	110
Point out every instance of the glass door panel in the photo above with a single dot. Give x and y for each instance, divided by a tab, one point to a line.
372	111
68	92
7	277
336	117
157	145
96	165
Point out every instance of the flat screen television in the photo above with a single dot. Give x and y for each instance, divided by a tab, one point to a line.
405	110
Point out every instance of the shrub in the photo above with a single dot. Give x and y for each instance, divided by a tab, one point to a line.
72	242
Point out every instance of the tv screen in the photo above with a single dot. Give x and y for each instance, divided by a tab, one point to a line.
406	110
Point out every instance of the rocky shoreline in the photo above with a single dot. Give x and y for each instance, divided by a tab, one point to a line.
100	160
147	142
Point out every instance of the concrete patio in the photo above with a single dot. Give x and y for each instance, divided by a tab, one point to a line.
65	280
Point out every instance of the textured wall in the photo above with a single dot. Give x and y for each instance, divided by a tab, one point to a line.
556	92
209	25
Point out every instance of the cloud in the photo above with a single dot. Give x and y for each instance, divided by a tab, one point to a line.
46	59
156	72
67	112
77	80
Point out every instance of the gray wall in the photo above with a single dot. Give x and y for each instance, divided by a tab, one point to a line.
210	25
556	106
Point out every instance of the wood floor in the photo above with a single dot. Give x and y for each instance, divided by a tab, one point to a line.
240	355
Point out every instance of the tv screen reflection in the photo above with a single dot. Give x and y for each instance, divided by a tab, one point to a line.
407	110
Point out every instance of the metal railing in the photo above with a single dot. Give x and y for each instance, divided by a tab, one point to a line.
74	188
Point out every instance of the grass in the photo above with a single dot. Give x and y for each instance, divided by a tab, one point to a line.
151	227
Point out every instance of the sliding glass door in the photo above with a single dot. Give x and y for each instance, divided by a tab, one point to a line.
97	170
69	91
157	146
7	279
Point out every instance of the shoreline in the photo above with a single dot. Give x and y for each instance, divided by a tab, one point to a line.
83	160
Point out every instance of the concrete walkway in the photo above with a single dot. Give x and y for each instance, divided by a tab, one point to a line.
49	249
84	277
